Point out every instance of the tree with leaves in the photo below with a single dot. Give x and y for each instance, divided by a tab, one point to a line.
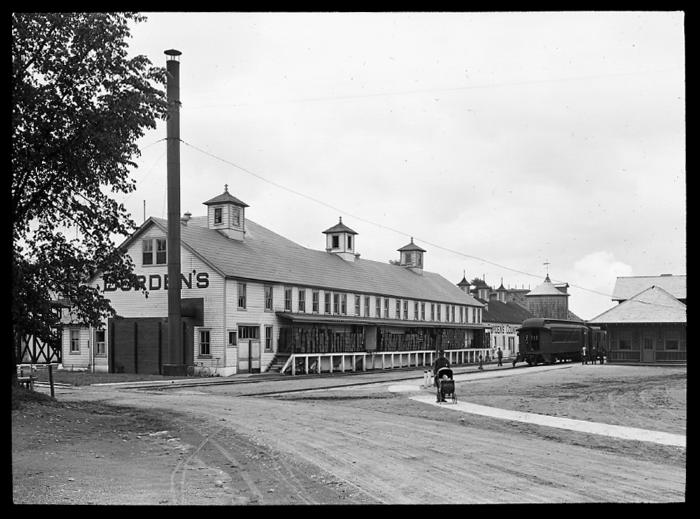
79	105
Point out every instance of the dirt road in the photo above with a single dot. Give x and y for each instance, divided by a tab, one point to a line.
231	444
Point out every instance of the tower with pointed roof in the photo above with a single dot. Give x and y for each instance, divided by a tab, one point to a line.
412	257
226	213
464	285
502	293
340	240
546	300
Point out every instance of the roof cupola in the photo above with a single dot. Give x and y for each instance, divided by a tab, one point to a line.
464	284
226	213
412	257
340	240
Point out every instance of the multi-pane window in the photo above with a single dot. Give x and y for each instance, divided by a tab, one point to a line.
415	310
671	343
161	257
232	336
75	340
302	300
218	215
453	313
405	309
422	311
378	306
100	342
204	343
287	299
235	216
344	304
268	338
398	309
432	311
461	314
147	251
268	297
366	306
147	258
241	295
386	308
336	303
327	302
357	305
314	301
439	307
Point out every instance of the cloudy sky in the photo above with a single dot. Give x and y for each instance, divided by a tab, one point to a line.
499	141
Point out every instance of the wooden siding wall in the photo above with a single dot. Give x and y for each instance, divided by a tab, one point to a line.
80	359
133	303
553	307
635	332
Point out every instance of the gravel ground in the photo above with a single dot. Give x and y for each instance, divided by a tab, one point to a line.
278	443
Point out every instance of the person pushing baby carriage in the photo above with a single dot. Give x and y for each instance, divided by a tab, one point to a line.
442	374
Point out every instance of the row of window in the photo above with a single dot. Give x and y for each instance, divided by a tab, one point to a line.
234	214
337	303
243	333
335	241
625	343
511	341
74	341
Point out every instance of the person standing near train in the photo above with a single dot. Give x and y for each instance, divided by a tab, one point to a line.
500	357
584	353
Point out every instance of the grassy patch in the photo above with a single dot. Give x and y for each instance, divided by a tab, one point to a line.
85	378
21	397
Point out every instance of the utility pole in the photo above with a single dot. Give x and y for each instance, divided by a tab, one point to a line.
175	359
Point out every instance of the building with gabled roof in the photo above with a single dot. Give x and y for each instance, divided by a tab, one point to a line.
504	320
649	326
628	286
252	297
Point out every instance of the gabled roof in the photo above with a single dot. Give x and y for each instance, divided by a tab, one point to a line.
627	286
547	288
339	227
500	312
266	256
226	198
653	305
410	247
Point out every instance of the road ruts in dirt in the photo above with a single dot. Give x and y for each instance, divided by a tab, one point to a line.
272	480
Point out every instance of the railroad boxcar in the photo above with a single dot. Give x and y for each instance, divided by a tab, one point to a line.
542	340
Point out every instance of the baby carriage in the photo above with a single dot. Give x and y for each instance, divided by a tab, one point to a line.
445	385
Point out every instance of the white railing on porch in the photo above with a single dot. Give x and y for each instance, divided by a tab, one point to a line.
341	362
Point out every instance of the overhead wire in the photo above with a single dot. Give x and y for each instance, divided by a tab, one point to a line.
433	90
335	208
